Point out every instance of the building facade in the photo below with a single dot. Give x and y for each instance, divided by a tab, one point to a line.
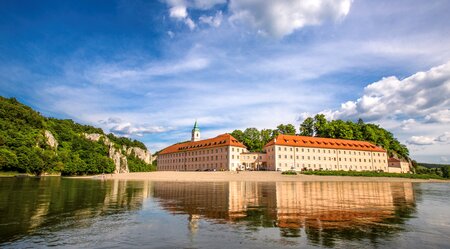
220	153
287	152
253	161
398	166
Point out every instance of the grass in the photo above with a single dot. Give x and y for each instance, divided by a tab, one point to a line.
371	174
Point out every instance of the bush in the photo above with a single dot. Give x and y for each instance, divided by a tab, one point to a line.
370	174
289	172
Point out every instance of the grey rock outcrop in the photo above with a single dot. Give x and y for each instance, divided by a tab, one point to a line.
119	159
50	140
144	155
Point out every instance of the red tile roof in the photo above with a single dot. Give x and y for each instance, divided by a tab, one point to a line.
219	141
394	160
319	142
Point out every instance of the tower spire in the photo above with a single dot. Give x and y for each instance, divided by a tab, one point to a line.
195	132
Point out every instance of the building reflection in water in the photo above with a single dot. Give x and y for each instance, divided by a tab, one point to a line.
322	211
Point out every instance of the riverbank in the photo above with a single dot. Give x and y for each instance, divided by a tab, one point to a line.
258	176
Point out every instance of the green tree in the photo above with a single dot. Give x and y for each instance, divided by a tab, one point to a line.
320	125
288	129
267	135
238	134
252	139
307	127
445	171
8	160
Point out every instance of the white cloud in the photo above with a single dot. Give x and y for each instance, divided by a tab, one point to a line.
274	18
408	124
442	116
415	96
205	4
421	140
191	24
128	129
118	126
427	140
443	138
213	21
282	17
178	12
112	73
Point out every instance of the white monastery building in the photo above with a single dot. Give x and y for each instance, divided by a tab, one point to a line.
285	152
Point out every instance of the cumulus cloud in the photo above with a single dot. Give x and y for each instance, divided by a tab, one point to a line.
213	21
112	120
442	116
282	17
408	124
421	140
178	10
423	95
443	138
274	18
122	128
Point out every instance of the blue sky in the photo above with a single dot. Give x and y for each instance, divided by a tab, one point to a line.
149	69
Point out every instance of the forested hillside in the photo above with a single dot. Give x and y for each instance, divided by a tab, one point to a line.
319	126
25	146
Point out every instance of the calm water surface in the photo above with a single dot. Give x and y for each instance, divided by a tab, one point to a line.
59	212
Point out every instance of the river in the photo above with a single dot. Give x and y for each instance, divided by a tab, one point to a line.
85	213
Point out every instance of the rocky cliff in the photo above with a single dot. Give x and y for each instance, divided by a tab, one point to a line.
50	140
119	155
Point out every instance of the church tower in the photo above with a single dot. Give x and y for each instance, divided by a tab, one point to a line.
195	133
